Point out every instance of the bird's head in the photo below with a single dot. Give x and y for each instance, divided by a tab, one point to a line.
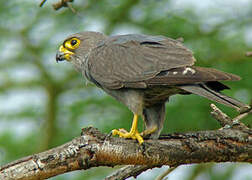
77	46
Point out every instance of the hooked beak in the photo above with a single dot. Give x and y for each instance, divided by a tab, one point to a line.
63	54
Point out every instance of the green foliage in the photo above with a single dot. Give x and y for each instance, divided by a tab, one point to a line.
44	104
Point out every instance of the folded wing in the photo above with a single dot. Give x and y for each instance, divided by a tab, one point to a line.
135	58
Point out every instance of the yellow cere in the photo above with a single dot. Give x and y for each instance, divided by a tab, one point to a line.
68	47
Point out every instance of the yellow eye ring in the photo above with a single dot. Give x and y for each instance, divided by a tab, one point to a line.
72	43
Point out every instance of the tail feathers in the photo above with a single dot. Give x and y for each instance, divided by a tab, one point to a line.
204	91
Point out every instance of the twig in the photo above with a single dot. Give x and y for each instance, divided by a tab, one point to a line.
61	3
198	169
71	8
168	171
241	116
225	121
128	171
42	3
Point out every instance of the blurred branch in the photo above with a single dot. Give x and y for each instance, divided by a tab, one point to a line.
197	170
134	171
24	84
128	171
61	3
42	3
52	87
249	53
166	173
58	5
95	149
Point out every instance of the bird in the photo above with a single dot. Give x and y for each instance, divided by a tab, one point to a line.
142	72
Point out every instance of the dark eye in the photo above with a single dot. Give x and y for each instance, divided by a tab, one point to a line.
73	42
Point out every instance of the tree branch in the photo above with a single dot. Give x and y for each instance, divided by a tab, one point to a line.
128	171
42	3
94	149
58	5
222	118
227	122
168	171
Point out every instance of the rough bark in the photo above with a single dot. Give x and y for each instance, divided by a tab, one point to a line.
94	149
232	143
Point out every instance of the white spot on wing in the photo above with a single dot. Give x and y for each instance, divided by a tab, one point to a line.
175	72
188	70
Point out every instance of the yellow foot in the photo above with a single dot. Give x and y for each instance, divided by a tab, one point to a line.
136	135
133	134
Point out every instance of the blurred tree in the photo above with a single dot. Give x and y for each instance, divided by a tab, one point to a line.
44	104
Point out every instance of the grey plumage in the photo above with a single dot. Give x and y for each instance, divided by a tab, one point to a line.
142	57
143	71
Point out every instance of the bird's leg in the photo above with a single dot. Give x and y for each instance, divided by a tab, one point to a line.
149	131
133	134
153	117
